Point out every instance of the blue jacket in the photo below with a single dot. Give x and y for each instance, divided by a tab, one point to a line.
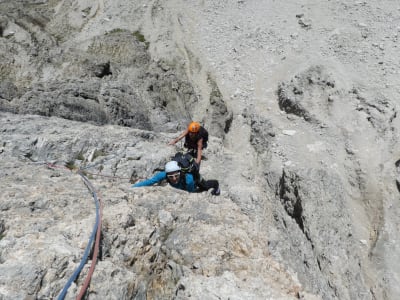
160	176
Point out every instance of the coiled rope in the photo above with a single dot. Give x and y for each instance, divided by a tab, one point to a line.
96	232
96	229
96	248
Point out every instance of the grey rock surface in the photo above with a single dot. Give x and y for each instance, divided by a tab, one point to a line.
301	103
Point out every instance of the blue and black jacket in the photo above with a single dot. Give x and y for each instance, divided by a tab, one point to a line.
186	181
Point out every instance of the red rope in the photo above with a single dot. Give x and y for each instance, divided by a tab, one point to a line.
108	176
53	166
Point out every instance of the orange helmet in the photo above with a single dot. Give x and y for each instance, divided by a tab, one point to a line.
194	127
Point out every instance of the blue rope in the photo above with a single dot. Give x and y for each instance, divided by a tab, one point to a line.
88	247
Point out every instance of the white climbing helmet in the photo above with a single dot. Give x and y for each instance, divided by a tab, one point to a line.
172	166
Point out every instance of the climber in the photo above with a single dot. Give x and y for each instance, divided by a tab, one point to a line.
188	165
180	180
196	138
173	175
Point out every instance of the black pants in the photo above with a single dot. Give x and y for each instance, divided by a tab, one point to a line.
193	151
205	185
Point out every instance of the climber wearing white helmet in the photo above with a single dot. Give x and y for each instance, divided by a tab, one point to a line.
173	175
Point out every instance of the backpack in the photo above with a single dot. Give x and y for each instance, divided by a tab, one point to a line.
187	164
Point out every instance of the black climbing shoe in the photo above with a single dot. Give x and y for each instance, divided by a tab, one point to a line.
216	192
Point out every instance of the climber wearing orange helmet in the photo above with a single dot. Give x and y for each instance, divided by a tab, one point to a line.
196	138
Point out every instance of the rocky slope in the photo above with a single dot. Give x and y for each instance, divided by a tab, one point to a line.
299	99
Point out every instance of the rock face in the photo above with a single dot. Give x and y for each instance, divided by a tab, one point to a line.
300	103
